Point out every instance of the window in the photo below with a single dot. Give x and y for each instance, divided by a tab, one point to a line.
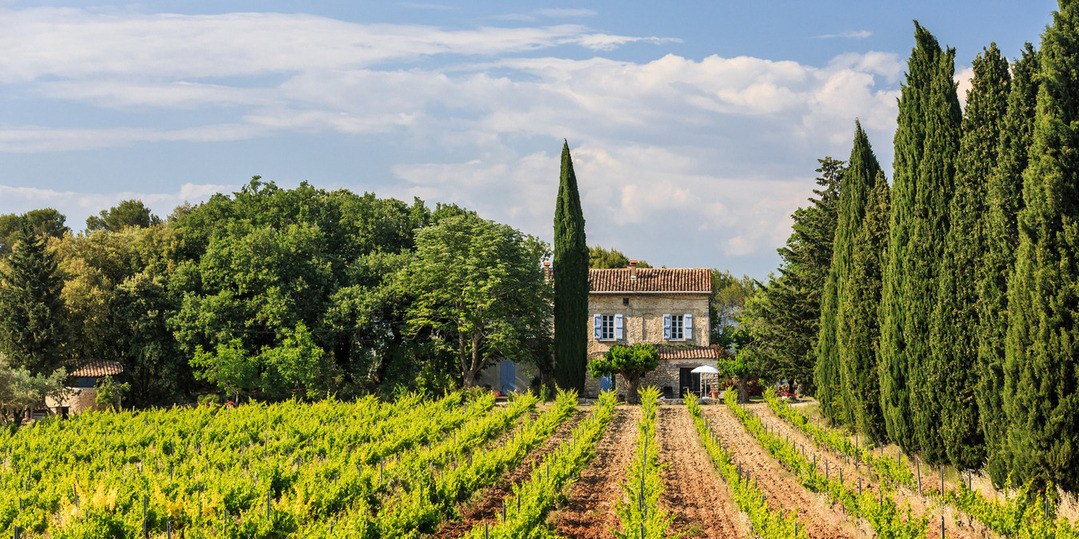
607	327
678	327
606	331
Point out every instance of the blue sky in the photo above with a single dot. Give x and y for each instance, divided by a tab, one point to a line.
695	126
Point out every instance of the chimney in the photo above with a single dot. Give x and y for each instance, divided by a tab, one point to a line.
548	273
633	270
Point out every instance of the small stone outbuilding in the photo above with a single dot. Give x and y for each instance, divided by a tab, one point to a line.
83	376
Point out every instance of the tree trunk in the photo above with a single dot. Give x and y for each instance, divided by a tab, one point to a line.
743	391
469	372
632	384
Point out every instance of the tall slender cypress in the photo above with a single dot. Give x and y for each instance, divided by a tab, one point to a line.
860	338
1005	199
954	334
863	172
926	144
1041	372
858	181
570	281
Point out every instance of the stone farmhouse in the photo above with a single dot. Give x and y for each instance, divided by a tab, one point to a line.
666	307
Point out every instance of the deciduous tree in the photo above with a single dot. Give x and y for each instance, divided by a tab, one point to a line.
631	362
479	288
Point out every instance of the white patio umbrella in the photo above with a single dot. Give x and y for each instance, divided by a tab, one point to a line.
705	369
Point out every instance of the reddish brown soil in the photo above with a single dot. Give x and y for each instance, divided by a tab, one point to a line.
489	506
853	470
780	487
693	491
589	513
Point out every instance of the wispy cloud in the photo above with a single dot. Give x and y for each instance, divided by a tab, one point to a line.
421	5
566	12
850	34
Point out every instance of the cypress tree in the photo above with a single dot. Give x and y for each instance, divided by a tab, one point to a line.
926	144
863	172
861	333
1005	199
858	181
570	281
1041	372
954	334
31	310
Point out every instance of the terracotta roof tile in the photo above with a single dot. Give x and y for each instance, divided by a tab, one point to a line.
92	368
697	280
686	352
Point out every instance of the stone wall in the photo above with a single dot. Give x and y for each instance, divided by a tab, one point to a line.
80	400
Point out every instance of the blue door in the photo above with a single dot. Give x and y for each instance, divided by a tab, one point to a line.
605	383
506	376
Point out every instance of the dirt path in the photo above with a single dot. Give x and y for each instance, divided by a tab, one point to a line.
780	487
589	514
852	471
489	506
693	491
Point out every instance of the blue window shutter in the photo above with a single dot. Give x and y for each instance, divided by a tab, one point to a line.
689	326
667	326
596	322
618	327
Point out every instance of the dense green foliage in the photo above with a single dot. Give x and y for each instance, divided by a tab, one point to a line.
926	146
600	258
270	293
1005	199
834	391
860	350
31	310
954	330
479	290
783	317
125	214
43	223
570	281
729	297
1041	372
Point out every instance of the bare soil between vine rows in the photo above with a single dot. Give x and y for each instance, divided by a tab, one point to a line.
781	488
590	509
693	490
489	506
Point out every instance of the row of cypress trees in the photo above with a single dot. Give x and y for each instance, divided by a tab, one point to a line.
950	315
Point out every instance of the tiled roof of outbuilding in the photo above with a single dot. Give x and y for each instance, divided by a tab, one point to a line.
92	368
686	352
678	280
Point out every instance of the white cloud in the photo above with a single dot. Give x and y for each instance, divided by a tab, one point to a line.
964	79
72	43
850	34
